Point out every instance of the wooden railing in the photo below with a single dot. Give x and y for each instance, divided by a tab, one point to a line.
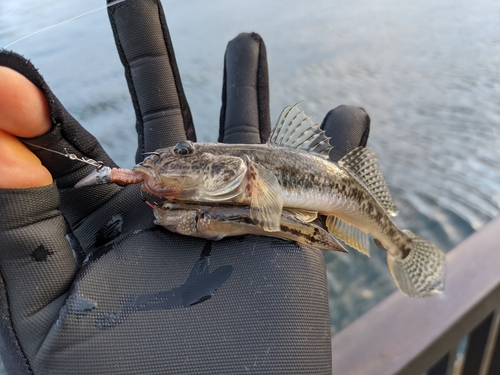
412	336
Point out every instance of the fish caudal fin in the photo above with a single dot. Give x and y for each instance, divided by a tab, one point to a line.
421	272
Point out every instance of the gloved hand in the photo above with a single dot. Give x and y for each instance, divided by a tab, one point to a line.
126	296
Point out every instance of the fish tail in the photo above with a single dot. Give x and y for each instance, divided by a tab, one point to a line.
421	272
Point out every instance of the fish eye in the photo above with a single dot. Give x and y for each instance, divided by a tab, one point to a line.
167	206
183	148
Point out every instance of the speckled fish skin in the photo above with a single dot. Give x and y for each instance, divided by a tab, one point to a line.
216	222
307	182
293	171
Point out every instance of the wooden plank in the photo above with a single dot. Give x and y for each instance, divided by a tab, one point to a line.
405	335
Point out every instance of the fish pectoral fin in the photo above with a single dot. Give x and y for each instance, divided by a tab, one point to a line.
302	215
348	233
314	247
421	272
309	234
266	202
326	240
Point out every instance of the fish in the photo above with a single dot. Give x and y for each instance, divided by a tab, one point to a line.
293	171
219	221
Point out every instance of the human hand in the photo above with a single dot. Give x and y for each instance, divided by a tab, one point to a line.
128	296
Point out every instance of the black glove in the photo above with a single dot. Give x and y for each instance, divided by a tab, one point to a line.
128	297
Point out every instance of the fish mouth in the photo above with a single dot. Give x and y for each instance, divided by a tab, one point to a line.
153	187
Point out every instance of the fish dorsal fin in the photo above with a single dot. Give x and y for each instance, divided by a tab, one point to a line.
296	130
363	162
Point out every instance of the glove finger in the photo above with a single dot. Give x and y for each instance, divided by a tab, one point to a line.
348	128
245	116
163	117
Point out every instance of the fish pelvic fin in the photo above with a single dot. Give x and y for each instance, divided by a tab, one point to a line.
307	216
421	273
296	130
349	234
266	202
364	165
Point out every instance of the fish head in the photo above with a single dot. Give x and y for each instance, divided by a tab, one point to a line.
188	172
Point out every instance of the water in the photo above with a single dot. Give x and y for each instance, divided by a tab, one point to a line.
427	73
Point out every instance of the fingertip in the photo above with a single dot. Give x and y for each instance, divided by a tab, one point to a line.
19	167
245	115
24	110
348	127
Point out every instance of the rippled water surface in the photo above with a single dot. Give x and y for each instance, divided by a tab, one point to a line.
428	75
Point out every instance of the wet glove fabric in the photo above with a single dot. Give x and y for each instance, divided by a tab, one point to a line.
89	285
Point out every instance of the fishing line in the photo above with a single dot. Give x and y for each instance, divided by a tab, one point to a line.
94	163
65	21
